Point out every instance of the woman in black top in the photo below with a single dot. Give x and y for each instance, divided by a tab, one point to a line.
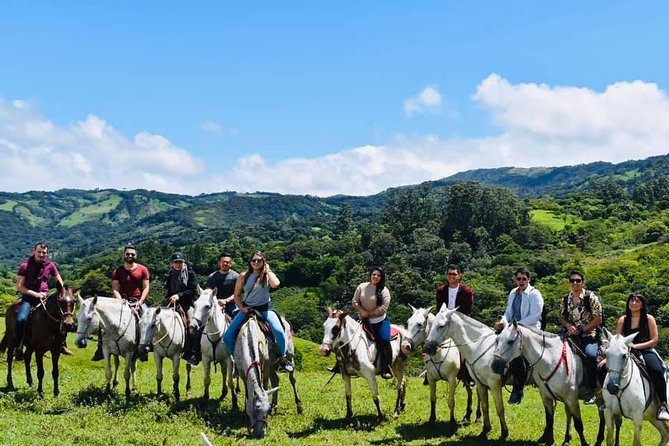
637	320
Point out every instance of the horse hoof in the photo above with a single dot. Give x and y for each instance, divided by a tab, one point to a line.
300	409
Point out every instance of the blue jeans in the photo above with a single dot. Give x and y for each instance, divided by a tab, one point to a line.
27	302
230	336
381	332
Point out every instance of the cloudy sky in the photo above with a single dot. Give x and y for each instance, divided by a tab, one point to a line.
322	98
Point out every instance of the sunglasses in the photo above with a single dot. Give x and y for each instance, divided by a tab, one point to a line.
575	280
130	255
452	274
257	260
522	279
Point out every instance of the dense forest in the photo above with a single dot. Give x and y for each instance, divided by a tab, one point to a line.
612	225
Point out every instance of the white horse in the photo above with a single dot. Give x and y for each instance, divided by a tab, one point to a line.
119	322
443	365
164	329
207	314
628	392
356	353
556	370
252	361
475	341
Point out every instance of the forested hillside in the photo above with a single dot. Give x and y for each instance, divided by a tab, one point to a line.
612	224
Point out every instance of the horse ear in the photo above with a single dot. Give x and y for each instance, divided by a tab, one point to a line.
158	310
413	309
429	310
607	334
95	301
329	310
81	300
75	290
199	289
515	323
59	287
214	292
627	340
272	391
444	307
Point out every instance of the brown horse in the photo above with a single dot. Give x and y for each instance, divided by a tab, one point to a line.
47	328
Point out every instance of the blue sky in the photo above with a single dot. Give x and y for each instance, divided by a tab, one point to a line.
322	98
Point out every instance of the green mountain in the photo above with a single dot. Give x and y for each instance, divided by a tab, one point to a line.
80	223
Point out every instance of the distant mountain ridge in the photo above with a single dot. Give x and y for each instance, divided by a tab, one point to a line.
79	223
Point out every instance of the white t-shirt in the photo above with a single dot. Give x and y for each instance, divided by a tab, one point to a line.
452	294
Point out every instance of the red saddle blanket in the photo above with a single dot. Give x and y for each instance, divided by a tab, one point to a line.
394	332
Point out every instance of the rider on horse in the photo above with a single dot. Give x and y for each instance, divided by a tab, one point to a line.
181	292
130	282
255	284
580	315
32	281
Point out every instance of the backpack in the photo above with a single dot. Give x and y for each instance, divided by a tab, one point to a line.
586	304
544	313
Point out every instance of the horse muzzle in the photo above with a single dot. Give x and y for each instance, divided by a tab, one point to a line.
613	387
498	365
407	347
143	352
325	350
430	347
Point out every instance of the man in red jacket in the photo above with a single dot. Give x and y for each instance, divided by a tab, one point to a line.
455	294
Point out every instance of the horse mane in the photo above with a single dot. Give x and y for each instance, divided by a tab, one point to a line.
472	321
540	332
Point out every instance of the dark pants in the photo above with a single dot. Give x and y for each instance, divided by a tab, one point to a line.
655	368
590	347
518	368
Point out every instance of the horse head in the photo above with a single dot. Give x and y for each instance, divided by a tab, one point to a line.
509	345
617	355
332	328
439	331
201	308
66	305
87	320
148	325
418	327
258	408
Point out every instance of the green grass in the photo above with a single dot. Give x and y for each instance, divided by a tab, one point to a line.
91	212
8	206
84	415
550	219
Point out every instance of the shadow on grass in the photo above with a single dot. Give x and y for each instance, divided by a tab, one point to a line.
221	420
362	423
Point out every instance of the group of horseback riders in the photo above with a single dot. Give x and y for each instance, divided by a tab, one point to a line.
237	294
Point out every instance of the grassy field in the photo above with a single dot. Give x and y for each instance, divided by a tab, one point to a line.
550	219
84	415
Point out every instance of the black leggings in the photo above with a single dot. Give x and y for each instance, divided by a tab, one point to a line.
655	367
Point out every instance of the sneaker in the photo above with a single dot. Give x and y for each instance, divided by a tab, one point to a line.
387	374
663	413
589	398
602	407
285	365
193	360
65	351
516	397
98	356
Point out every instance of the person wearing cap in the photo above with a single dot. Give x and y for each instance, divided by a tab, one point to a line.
130	282
181	292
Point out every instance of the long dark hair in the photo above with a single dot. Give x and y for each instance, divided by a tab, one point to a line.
263	278
380	286
644	333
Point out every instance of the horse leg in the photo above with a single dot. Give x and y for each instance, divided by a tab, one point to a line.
347	392
231	382
274	378
549	413
608	419
39	360
499	408
575	411
55	357
662	429
400	388
433	399
485	404
567	431
298	401
10	361
126	374
206	366
159	372
468	412
176	359
188	387
619	421
27	359
638	420
452	384
602	425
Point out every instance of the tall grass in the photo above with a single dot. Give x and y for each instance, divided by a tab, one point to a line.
85	415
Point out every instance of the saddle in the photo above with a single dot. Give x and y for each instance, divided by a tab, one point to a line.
394	332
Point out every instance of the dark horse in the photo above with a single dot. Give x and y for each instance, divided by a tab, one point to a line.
47	327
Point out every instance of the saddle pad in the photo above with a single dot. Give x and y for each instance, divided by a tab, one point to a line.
394	332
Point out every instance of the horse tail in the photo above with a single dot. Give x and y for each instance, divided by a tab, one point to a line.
3	343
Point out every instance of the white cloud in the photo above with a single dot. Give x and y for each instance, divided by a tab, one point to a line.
212	127
39	155
539	125
428	100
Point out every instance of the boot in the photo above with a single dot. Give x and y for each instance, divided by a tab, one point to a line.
98	355
387	361
662	412
64	350
285	364
335	369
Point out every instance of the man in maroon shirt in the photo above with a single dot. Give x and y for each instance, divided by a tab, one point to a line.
130	282
32	281
456	295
